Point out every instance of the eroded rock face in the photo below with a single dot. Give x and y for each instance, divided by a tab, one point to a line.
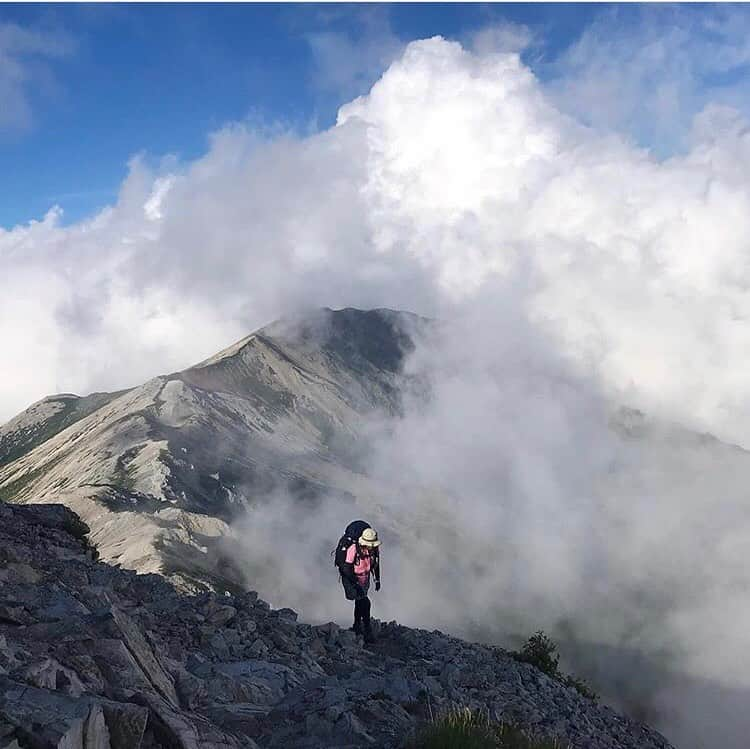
95	657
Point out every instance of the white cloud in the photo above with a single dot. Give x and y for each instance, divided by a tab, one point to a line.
152	207
24	56
647	70
503	37
455	169
347	61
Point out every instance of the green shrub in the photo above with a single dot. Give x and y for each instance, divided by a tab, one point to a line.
541	652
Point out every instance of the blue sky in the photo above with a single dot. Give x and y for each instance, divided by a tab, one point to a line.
159	78
93	85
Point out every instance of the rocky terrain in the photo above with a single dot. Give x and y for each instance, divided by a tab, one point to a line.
92	657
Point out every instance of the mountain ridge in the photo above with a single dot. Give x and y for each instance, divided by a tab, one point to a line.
276	409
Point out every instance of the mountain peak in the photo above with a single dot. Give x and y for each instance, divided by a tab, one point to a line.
380	336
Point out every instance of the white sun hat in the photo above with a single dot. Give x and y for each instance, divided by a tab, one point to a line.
369	538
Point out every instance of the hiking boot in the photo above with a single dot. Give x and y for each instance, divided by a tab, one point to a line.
356	628
369	636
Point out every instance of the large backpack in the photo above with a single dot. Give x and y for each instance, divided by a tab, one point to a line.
351	536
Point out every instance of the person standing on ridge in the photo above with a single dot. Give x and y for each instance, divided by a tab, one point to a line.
358	558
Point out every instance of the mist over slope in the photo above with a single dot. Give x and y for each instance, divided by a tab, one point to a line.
510	495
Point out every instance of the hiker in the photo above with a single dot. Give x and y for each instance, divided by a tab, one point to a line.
358	558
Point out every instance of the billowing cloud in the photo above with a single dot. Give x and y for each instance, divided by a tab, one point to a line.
454	170
502	36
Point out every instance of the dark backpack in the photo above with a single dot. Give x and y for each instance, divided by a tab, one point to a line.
351	536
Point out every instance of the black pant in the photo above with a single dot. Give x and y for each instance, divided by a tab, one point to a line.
362	615
358	594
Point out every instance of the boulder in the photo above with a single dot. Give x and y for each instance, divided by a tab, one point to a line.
116	622
221	616
54	720
50	674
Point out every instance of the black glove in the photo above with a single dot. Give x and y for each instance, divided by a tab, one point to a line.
377	585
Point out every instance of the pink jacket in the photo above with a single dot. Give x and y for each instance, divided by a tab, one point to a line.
362	564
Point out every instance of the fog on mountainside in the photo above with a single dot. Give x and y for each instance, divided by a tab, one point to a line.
514	498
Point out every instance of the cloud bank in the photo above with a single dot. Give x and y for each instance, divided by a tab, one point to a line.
456	169
508	503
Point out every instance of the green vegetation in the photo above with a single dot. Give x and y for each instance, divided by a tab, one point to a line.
462	728
541	652
14	446
10	491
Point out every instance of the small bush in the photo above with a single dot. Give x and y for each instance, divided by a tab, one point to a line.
541	652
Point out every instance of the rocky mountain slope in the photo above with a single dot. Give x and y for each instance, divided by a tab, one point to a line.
159	471
93	657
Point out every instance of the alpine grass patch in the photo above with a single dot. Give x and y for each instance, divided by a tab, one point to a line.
462	728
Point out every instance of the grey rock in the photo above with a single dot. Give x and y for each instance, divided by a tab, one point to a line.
274	676
57	720
258	648
118	622
19	572
221	615
289	614
126	723
50	674
218	644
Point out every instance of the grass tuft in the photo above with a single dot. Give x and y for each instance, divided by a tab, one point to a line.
462	728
